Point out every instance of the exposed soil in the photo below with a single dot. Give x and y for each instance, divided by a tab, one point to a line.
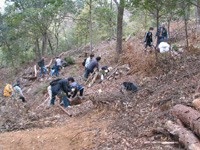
77	133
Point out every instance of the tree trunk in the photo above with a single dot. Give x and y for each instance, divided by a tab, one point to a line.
169	21
90	26
77	39
186	18
10	54
86	39
186	31
44	44
111	24
57	41
188	11
50	45
38	48
189	117
2	59
120	26
35	52
157	22
198	12
185	137
145	20
81	40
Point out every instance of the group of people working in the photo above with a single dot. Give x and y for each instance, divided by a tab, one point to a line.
14	91
161	36
65	89
54	69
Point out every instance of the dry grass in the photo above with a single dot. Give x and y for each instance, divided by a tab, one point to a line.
136	58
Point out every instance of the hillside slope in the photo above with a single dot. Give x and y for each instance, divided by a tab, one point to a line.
116	120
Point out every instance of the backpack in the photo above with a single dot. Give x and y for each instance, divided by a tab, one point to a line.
54	82
84	61
64	64
129	86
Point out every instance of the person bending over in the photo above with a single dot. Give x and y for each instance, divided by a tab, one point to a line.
92	65
19	93
75	87
56	88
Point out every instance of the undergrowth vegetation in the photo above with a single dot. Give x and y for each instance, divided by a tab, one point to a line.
69	60
137	60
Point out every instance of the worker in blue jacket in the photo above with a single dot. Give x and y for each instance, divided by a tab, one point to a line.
75	87
161	34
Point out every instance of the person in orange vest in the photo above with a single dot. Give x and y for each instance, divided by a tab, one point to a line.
8	90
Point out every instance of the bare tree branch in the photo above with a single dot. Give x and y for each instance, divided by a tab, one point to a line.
116	3
194	4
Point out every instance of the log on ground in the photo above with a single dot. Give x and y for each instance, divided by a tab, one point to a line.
185	136
189	117
196	104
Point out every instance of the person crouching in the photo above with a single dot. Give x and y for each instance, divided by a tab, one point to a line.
56	88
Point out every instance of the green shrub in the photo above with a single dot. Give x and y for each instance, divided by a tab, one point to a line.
175	47
69	60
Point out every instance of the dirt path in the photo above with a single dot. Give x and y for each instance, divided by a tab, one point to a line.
78	133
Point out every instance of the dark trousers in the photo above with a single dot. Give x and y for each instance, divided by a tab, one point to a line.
87	72
148	44
43	69
57	70
81	92
22	98
66	103
53	98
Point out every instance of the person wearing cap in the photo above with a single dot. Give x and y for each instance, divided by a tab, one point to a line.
161	34
148	39
75	87
57	87
91	66
42	67
58	65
